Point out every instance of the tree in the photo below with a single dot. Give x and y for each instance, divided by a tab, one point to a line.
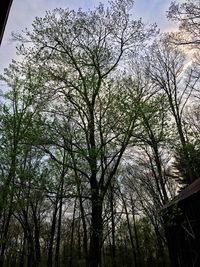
187	16
18	114
167	71
80	57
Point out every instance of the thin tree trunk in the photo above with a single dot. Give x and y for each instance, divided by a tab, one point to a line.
72	236
5	233
79	237
85	241
135	232
21	263
36	235
52	233
130	232
57	253
113	227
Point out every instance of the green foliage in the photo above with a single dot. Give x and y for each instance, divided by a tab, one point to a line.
188	163
77	110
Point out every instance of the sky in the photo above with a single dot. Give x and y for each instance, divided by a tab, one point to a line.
23	12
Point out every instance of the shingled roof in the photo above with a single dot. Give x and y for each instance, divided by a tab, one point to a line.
4	11
189	191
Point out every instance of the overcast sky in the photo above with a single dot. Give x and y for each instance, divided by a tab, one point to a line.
23	12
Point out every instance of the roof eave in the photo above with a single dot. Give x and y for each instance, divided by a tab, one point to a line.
5	6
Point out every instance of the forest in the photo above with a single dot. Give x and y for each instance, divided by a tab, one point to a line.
99	130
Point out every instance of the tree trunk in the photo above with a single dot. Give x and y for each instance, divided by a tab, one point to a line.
37	245
130	232
113	227
72	236
36	235
3	246
52	233
57	253
135	232
96	229
85	241
22	255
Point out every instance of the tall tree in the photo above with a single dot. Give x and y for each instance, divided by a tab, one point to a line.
18	113
80	55
167	70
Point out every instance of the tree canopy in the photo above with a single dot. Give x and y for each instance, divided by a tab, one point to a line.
97	135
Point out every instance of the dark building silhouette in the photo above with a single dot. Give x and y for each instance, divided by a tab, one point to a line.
182	225
4	12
